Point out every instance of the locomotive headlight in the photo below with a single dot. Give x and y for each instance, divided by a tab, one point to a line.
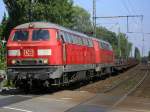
45	61
14	52
13	62
44	52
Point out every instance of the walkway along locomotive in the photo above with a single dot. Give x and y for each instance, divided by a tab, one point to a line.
49	54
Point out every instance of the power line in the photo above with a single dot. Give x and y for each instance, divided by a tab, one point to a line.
127	17
139	33
129	11
120	16
125	6
94	17
132	6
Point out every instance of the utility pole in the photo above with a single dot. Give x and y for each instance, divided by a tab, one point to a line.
127	18
127	48
140	33
94	18
119	47
142	36
143	45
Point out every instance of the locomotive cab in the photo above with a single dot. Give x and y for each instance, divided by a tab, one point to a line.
33	47
34	52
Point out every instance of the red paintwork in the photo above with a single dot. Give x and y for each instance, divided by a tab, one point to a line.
102	56
77	54
53	44
62	53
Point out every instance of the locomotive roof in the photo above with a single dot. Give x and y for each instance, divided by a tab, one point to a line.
51	25
47	25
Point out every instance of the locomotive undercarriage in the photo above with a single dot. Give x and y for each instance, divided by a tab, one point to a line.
45	76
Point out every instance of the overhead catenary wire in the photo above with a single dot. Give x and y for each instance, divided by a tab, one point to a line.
133	10
132	6
129	11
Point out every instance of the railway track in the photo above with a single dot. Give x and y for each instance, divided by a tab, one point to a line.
137	99
143	90
123	81
131	90
114	96
74	100
101	86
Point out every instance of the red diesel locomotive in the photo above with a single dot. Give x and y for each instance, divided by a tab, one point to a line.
48	54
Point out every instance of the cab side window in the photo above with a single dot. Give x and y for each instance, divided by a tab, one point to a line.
66	37
80	41
69	40
86	42
62	37
90	43
100	45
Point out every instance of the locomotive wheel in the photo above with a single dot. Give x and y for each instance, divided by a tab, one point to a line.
19	84
65	79
28	86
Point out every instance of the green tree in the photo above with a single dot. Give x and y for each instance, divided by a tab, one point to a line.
137	53
56	11
82	20
3	27
149	55
2	45
125	46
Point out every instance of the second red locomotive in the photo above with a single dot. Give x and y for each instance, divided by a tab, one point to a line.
46	53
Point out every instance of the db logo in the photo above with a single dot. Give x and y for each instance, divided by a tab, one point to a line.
28	52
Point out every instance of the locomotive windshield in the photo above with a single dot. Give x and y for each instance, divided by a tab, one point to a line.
40	35
21	35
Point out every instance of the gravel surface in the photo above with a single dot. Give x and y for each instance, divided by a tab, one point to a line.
103	85
144	89
127	85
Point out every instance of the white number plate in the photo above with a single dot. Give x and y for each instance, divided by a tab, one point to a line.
28	52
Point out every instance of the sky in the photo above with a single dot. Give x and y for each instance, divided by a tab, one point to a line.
123	8
118	8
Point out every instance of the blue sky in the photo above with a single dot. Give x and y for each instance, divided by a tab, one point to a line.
123	7
2	9
115	8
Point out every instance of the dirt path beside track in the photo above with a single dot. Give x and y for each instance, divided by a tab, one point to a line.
129	94
103	85
144	89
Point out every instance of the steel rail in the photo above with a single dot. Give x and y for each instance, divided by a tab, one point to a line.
118	84
89	98
131	90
